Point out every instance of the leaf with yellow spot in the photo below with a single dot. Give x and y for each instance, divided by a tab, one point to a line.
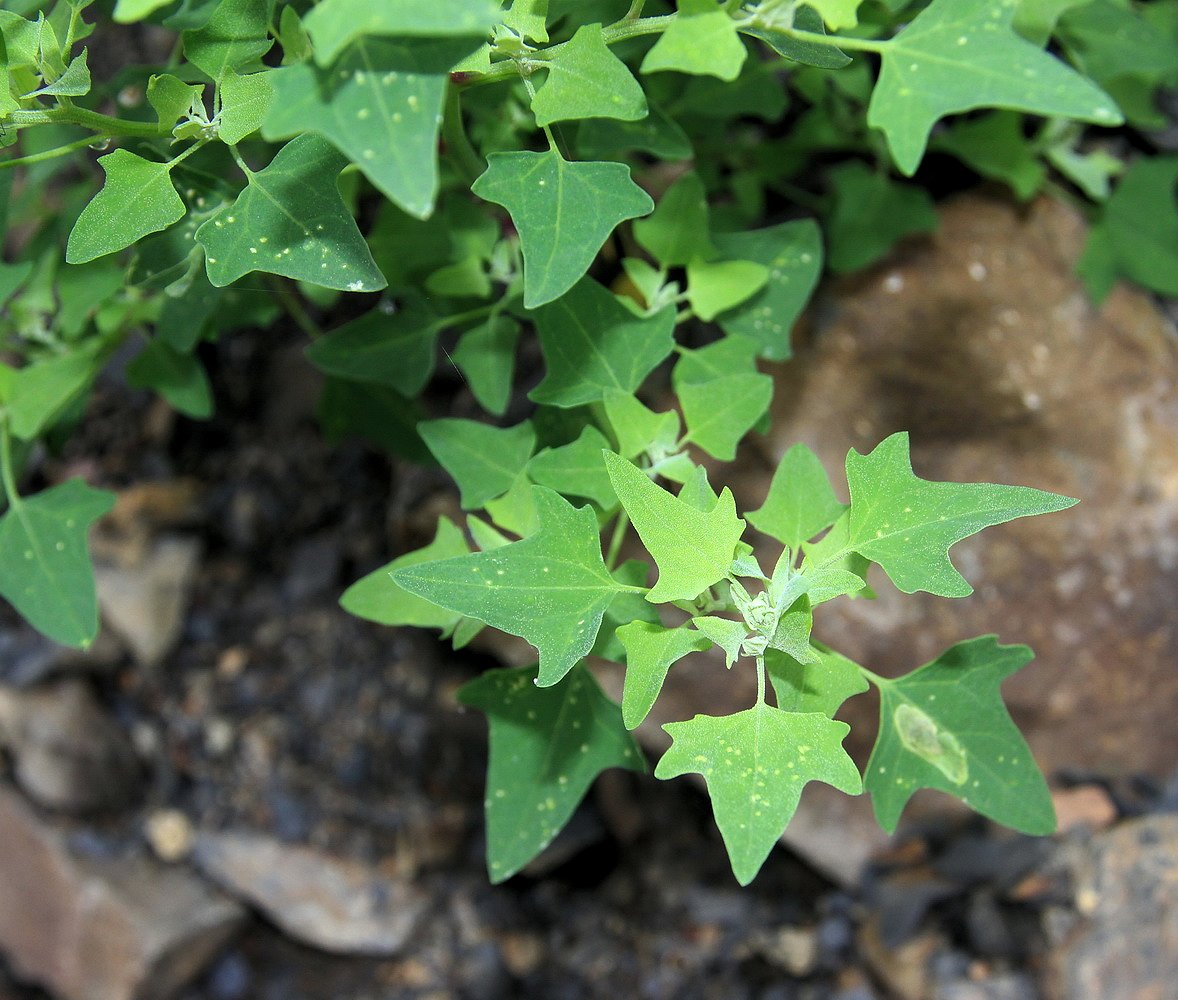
552	588
547	746
756	763
945	726
291	220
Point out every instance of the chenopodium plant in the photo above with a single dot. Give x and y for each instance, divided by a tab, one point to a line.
491	148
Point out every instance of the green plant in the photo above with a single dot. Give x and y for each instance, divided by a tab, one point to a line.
247	154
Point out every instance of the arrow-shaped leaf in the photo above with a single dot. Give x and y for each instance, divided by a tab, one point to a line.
651	650
586	80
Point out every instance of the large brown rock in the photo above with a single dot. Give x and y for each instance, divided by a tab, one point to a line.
100	929
981	343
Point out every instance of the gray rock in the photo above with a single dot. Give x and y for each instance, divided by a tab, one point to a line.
100	929
331	903
1124	944
144	595
68	753
1005	986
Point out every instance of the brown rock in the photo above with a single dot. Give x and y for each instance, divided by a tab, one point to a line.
1124	946
1086	806
905	969
68	752
86	929
331	903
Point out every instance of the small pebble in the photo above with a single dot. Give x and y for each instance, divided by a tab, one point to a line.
169	832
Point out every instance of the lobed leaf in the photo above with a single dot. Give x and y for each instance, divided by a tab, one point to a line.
586	80
483	460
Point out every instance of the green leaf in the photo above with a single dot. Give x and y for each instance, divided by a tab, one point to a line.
592	343
516	510
12	276
756	763
1035	19
395	349
701	40
799	49
832	569
485	461
244	103
838	14
376	598
334	24
380	104
995	147
693	548
1107	41
716	286
74	82
639	430
1138	229
374	412
528	19
907	524
179	377
291	220
800	502
651	651
871	214
129	11
792	251
576	469
628	607
547	746
171	98
720	403
41	392
944	726
486	357
586	80
957	55
235	37
563	212
725	633
656	134
138	198
45	570
821	685
792	634
677	231
552	588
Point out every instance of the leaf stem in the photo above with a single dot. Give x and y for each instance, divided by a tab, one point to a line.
470	165
879	682
47	154
615	542
294	308
760	680
6	473
635	11
104	124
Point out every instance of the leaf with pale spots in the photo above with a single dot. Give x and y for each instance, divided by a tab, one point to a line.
907	524
484	461
693	548
651	651
563	212
547	745
945	726
586	80
593	344
380	104
45	570
756	763
552	588
291	220
792	251
958	55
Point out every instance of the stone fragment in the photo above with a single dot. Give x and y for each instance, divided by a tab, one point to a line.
68	753
100	929
170	835
1124	944
332	903
1088	806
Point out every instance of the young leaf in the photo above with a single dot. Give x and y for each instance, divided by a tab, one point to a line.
380	104
377	598
756	763
137	199
586	80
957	55
45	570
725	633
716	286
639	430
651	651
171	98
484	461
333	24
838	14
486	357
74	82
677	230
41	392
528	19
907	524
625	609
702	39
576	469
792	251
235	37
552	588
656	134
800	502
179	377
547	744
244	103
563	212
871	213
800	49
720	402
291	220
693	549
944	726
996	148
592	343
821	685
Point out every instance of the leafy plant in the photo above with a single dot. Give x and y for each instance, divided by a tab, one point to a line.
650	190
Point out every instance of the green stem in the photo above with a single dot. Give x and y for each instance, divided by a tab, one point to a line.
47	154
635	11
468	162
104	124
837	41
879	682
241	164
294	308
6	473
760	680
615	542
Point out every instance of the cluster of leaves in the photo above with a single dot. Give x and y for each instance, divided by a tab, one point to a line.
620	179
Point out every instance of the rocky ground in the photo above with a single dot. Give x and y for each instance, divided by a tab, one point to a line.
242	792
